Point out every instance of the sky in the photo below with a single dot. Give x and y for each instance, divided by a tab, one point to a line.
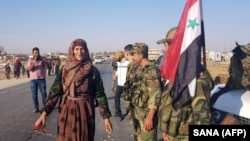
109	25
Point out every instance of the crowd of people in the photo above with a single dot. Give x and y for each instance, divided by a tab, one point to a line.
20	68
78	87
148	96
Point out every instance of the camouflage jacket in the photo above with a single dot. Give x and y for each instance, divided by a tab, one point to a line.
132	79
114	64
147	95
197	112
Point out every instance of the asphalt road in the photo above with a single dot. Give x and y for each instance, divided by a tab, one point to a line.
17	118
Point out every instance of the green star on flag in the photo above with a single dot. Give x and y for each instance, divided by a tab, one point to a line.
192	23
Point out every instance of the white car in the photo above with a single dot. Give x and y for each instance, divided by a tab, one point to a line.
98	60
235	102
103	60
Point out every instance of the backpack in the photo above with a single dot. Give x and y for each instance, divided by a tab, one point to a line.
239	71
245	62
239	68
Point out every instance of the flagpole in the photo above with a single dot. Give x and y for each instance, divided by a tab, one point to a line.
203	33
204	47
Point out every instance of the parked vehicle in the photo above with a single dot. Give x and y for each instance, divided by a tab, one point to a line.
235	103
98	60
103	59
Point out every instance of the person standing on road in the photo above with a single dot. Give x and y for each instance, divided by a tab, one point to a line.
146	95
50	66
7	70
56	63
17	68
78	85
23	70
131	83
122	66
37	72
114	69
174	123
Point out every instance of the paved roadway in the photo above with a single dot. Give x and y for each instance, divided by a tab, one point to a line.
17	118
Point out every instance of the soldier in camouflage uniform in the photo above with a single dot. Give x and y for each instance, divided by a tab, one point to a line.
145	96
174	123
131	82
114	69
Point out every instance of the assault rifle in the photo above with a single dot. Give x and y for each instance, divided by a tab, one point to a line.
132	103
128	90
128	109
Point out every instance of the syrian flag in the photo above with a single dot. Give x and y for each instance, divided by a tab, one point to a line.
182	63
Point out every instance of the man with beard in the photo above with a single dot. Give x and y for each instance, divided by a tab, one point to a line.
37	71
120	76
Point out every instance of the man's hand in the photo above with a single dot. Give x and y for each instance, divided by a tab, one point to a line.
165	136
148	124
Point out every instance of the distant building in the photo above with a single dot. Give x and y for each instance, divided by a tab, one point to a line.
153	54
215	56
2	50
21	57
226	56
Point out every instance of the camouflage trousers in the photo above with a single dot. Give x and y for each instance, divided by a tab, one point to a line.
178	138
142	134
131	121
177	125
139	133
113	82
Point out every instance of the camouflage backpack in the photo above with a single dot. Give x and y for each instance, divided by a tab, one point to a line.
239	68
246	66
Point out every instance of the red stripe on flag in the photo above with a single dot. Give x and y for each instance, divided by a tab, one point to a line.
171	61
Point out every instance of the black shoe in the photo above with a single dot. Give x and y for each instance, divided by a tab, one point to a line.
35	110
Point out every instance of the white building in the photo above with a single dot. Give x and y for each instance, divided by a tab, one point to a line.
153	54
215	56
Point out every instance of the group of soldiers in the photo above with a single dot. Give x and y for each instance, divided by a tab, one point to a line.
149	100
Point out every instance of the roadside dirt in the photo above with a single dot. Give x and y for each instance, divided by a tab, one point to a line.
218	71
